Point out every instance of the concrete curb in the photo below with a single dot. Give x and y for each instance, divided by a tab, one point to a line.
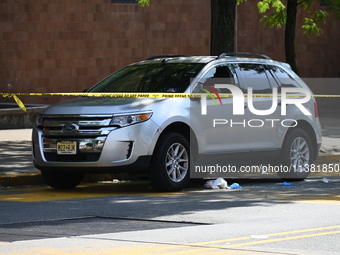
21	179
36	179
328	158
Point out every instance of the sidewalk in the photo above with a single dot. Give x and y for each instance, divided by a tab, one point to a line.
16	167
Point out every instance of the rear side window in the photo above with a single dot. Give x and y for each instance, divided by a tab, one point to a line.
254	76
284	79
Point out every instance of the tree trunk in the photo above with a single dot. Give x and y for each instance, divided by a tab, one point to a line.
222	26
292	6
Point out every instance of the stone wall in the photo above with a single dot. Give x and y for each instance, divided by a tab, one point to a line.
12	117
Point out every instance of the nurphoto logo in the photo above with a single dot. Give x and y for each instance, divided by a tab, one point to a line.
289	96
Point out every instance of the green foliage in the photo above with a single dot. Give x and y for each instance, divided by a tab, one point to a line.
265	5
306	4
333	6
275	19
240	1
311	23
143	3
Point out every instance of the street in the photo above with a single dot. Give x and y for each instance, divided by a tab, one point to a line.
130	218
105	104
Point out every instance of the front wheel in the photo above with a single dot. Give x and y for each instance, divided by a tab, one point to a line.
62	180
296	156
169	170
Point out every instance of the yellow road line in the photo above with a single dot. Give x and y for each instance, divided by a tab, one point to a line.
202	247
190	245
303	230
322	199
53	196
128	189
282	239
88	191
195	249
318	201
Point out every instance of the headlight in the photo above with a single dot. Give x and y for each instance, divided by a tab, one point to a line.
129	119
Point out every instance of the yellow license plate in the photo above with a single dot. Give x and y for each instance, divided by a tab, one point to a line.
69	148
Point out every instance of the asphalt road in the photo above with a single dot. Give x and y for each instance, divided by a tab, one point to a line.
263	217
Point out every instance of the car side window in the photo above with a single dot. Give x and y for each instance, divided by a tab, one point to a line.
221	74
254	76
284	79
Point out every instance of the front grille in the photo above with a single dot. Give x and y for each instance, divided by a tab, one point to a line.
90	136
89	125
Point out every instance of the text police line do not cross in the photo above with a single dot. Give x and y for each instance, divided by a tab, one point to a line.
239	100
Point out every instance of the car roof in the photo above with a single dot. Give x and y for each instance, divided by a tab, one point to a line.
182	59
218	59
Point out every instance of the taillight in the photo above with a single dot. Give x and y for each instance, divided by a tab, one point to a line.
316	111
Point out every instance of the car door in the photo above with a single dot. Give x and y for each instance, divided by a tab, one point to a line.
218	131
263	112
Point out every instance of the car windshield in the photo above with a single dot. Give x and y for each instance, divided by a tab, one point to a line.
164	77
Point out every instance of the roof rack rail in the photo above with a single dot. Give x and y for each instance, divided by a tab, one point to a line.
166	56
242	54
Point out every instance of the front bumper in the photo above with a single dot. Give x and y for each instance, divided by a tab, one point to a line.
122	149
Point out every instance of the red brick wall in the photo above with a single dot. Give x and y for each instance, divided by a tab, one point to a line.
316	56
68	45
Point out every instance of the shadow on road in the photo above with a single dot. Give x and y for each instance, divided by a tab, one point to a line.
15	157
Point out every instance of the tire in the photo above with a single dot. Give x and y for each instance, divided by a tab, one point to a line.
169	169
296	156
62	180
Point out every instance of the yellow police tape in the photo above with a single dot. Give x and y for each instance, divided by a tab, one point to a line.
17	100
149	95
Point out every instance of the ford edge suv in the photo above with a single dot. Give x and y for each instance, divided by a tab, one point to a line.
245	109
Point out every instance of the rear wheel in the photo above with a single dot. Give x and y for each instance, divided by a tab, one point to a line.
62	180
169	170
297	155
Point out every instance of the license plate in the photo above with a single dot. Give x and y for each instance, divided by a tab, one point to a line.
69	148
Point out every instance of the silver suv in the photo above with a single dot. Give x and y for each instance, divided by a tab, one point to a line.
250	111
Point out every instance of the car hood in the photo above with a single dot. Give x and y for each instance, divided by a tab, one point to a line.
102	105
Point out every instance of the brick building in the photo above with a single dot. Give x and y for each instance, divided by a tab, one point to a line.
68	45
